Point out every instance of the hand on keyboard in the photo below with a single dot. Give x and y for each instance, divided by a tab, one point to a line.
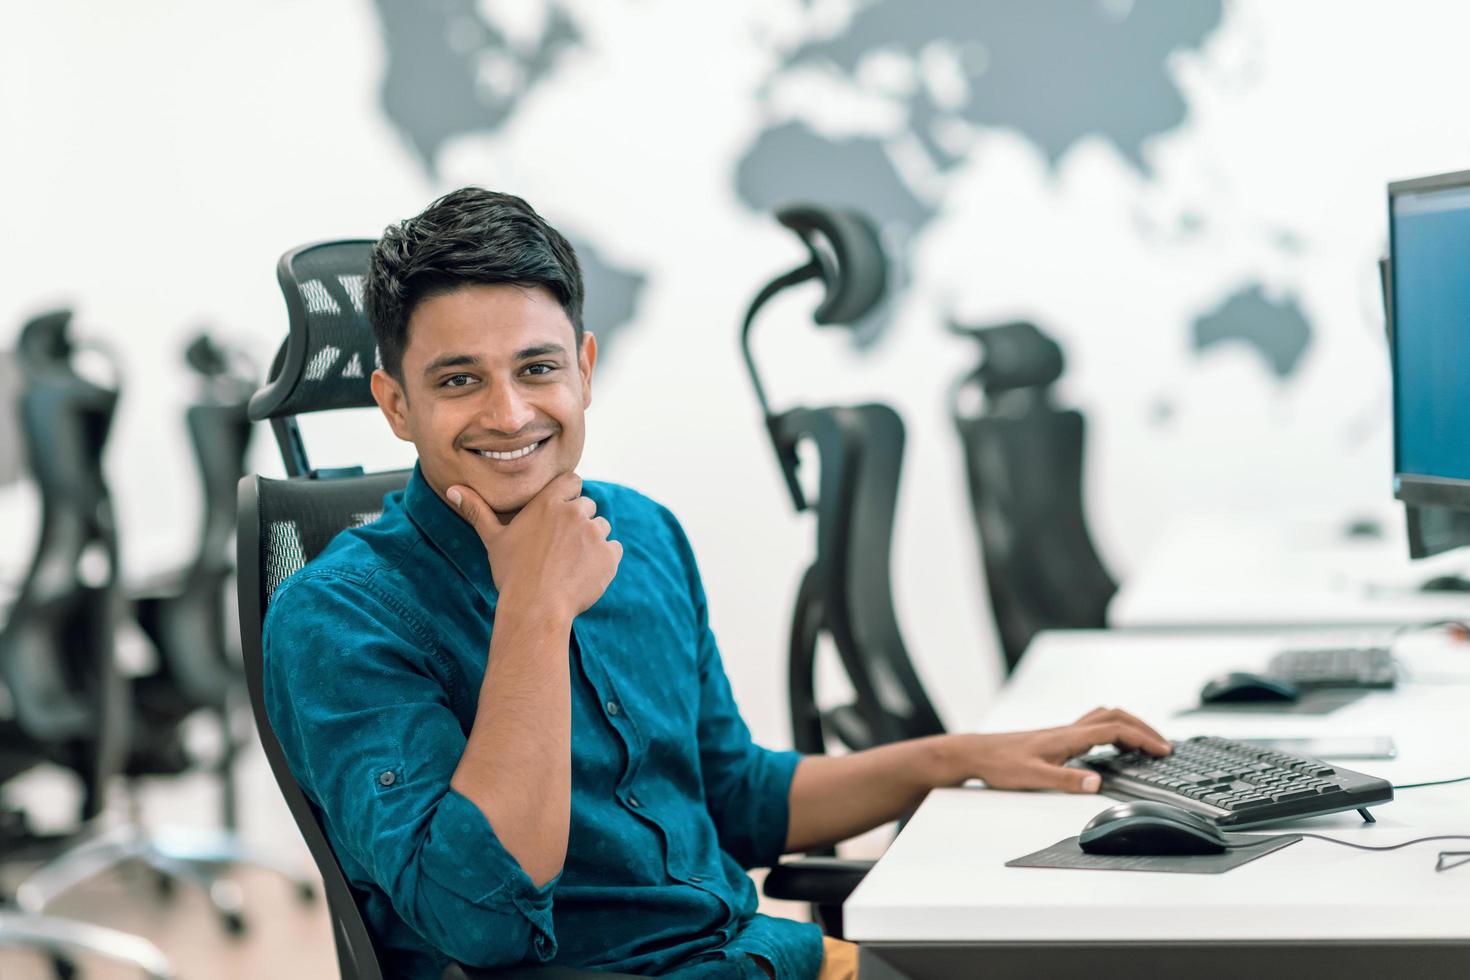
1036	759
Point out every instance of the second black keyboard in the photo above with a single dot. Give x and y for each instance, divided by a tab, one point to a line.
1238	785
1348	667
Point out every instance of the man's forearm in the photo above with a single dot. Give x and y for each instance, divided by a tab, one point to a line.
833	798
516	766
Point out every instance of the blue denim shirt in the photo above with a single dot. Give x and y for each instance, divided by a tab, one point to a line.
374	655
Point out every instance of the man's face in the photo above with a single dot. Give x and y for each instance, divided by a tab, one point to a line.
493	392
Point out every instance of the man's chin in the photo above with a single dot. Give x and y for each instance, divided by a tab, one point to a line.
507	503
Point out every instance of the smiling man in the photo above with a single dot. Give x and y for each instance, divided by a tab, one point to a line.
504	696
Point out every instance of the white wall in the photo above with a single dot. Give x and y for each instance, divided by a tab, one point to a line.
159	155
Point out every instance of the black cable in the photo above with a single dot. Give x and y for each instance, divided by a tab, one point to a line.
1436	782
1439	865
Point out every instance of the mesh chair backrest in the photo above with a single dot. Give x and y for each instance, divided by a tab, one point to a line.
1024	465
860	452
283	525
330	352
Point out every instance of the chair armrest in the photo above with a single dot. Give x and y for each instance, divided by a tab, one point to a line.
819	880
545	971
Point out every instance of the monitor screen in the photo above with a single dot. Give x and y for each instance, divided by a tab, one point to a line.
1429	299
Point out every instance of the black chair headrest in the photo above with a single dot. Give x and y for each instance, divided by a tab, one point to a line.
227	372
206	356
846	248
1017	355
46	339
330	353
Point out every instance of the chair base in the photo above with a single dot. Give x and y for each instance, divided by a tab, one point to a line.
177	854
61	939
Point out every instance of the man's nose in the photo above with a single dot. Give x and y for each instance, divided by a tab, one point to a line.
506	410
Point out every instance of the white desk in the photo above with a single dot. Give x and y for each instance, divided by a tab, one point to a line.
941	902
1217	572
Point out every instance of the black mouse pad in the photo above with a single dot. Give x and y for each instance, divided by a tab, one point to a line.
1066	854
1321	702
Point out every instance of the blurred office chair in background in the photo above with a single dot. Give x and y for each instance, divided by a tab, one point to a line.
189	618
185	613
63	700
1023	459
845	594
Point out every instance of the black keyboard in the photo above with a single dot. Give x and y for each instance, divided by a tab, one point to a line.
1238	785
1360	667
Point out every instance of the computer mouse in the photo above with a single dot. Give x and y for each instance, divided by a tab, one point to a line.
1241	686
1147	827
1446	583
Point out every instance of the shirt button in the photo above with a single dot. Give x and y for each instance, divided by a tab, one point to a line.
633	802
387	778
695	879
613	709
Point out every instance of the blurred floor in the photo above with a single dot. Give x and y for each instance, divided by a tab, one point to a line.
285	939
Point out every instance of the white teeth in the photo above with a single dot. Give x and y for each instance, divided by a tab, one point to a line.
526	451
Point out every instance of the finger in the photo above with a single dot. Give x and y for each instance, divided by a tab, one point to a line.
1068	779
586	506
1097	715
1125	736
1118	714
602	526
568	486
472	507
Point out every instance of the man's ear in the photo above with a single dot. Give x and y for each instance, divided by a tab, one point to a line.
586	361
393	401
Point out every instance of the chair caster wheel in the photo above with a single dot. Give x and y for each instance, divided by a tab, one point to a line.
234	923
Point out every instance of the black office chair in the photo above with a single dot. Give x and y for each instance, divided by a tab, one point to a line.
67	704
846	593
184	615
1023	459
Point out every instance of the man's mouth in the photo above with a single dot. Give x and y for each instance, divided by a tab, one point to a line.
511	454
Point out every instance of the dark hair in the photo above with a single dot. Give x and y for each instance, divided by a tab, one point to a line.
468	237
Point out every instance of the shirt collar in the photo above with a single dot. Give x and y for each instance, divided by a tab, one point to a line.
450	533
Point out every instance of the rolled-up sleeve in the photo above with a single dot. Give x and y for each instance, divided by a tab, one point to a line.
747	787
357	694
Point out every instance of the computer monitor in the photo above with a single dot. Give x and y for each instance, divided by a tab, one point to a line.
1427	286
1431	529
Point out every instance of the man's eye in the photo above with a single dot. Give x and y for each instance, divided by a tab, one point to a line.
457	381
539	369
